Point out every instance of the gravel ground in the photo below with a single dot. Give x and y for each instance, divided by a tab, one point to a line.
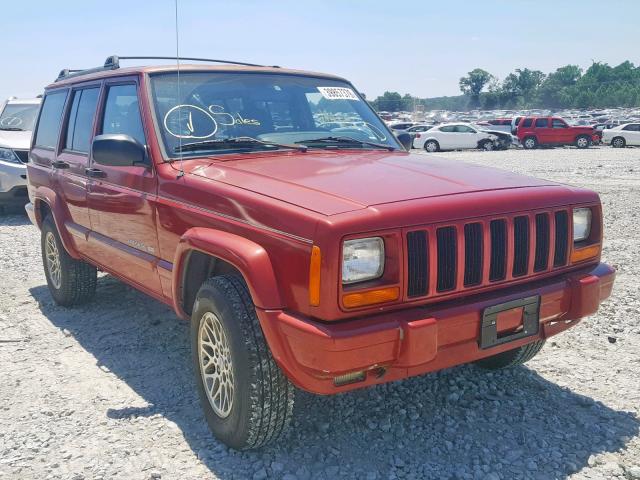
106	390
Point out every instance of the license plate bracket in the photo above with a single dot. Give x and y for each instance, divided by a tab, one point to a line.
489	336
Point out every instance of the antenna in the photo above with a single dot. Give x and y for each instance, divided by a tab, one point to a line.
178	97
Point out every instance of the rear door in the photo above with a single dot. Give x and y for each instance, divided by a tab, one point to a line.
543	130
72	161
122	199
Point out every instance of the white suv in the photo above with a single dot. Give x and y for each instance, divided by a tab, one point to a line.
17	120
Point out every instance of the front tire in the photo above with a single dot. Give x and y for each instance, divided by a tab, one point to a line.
618	142
487	145
583	142
510	358
246	398
71	282
431	146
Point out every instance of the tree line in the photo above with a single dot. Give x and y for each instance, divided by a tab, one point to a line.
599	86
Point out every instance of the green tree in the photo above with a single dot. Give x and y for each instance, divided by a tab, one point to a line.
388	102
473	83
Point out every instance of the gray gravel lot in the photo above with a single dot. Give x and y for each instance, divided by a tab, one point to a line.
106	390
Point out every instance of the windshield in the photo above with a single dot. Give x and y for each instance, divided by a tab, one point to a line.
19	117
209	107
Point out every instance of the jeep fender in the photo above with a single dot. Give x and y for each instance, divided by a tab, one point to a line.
249	258
49	197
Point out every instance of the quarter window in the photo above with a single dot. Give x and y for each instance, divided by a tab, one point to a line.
542	122
122	112
50	119
80	123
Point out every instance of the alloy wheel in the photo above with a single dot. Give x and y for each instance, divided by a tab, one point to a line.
53	260
216	368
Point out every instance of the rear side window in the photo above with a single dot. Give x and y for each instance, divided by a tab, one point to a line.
448	128
80	122
50	119
542	122
122	112
527	122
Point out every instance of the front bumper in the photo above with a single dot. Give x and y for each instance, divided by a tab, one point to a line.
13	177
414	341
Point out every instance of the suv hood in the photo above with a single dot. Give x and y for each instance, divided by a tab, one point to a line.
332	182
15	140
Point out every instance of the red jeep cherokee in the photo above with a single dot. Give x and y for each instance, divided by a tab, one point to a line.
325	258
534	131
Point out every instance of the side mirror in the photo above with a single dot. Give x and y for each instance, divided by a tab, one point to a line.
406	140
117	150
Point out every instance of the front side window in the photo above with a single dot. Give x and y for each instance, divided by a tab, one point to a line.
208	111
557	123
464	129
79	126
122	112
632	127
448	128
50	119
19	117
527	122
542	122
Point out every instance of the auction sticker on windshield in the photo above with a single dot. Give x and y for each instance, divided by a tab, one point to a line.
338	93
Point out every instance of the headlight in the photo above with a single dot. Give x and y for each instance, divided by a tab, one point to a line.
581	224
8	155
362	259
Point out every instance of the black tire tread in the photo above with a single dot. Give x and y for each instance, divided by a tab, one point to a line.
271	394
79	279
511	358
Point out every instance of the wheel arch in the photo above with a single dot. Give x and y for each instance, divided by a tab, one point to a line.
46	203
204	252
621	137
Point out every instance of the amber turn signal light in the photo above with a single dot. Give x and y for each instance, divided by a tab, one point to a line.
585	253
314	276
372	297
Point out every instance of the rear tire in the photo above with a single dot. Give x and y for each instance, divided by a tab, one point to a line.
231	356
530	143
583	141
510	358
431	146
71	282
618	142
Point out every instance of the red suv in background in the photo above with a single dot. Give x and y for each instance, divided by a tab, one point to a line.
534	131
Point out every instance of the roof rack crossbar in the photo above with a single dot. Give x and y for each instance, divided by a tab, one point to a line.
113	63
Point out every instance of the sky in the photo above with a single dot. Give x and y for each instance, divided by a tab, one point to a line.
416	47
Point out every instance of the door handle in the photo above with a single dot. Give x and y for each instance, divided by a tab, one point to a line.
95	173
60	164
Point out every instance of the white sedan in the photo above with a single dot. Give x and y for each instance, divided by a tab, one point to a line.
622	135
454	136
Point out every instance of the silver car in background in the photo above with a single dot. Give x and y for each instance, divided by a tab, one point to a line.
17	120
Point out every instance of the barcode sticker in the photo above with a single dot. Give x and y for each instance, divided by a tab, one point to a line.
338	93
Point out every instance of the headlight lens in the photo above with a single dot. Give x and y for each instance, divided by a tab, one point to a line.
8	155
362	259
581	224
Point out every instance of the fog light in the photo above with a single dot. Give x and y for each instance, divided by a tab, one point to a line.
347	378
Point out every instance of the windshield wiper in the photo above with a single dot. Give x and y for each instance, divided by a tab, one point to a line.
345	139
235	142
12	129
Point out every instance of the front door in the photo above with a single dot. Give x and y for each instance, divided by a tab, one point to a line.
122	199
561	131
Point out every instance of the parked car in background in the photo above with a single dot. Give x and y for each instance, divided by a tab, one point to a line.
17	119
535	131
455	136
504	139
414	131
497	124
622	135
401	127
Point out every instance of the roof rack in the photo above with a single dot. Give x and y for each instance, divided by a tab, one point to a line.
113	63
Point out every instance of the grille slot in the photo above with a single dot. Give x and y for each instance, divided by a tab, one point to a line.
417	256
472	254
562	239
23	155
521	246
542	242
447	253
498	267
